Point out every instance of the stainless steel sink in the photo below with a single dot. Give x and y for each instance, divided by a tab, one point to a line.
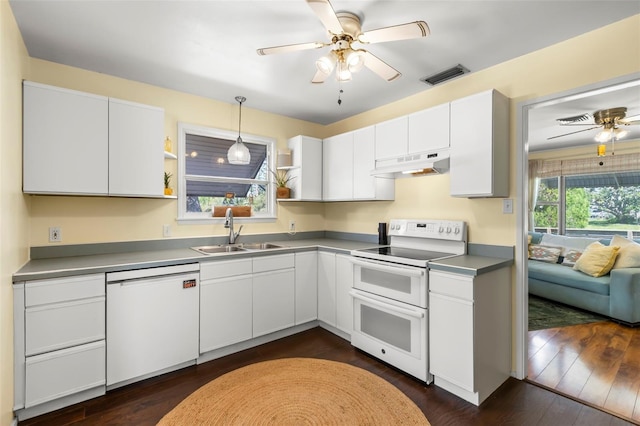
217	249
259	246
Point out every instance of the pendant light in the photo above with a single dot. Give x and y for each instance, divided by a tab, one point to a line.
239	153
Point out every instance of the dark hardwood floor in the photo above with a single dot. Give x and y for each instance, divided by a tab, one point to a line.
514	403
598	363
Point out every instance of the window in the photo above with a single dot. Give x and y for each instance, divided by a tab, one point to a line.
593	205
206	179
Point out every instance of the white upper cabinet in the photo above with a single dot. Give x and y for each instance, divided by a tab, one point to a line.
429	129
392	138
337	166
66	141
480	146
84	144
306	169
348	160
136	162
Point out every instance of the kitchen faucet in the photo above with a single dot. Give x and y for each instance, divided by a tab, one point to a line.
228	223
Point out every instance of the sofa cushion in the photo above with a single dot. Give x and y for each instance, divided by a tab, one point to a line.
562	275
629	254
566	243
597	260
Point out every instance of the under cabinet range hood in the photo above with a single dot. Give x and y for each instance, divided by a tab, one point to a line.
425	163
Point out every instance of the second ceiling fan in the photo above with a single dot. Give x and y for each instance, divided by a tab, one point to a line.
344	31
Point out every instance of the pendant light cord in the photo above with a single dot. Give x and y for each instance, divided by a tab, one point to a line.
240	100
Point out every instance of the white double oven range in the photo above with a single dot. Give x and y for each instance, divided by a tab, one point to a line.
391	291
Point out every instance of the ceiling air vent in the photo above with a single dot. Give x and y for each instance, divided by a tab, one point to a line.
445	75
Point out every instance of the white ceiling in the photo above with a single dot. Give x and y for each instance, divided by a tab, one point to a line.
208	47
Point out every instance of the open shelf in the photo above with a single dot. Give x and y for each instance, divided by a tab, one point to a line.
170	155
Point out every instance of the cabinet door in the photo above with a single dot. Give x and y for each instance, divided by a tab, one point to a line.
307	168
479	163
136	157
66	141
364	162
337	176
306	287
391	138
429	129
273	301
451	358
344	302
225	312
327	287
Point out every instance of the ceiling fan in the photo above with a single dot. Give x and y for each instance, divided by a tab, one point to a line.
610	120
344	31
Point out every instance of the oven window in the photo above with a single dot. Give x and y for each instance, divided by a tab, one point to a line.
393	282
386	327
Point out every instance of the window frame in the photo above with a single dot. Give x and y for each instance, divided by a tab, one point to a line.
185	217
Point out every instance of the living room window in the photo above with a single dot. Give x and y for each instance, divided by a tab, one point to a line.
591	204
209	184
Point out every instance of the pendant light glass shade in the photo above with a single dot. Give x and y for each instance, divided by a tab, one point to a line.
239	153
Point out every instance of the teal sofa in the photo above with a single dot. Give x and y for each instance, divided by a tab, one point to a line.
616	295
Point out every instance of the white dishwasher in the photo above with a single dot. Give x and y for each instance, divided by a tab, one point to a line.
152	322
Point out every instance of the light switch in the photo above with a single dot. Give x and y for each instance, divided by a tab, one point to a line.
507	206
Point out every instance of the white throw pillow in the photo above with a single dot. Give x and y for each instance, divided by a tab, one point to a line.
629	253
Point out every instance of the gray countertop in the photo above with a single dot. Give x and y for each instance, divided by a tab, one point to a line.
470	264
99	263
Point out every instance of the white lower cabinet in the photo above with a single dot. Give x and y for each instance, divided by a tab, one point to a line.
273	293
59	350
335	279
306	286
226	309
470	332
327	287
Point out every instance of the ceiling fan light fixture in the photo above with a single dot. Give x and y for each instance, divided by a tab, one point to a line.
342	71
326	63
355	60
238	152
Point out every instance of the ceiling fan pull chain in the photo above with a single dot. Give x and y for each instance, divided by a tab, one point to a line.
340	100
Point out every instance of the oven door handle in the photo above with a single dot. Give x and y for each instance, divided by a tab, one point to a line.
384	304
398	269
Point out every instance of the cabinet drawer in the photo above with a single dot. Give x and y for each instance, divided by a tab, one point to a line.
451	285
56	290
61	325
227	268
272	263
56	374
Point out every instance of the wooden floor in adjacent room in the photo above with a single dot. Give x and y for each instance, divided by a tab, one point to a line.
598	363
514	403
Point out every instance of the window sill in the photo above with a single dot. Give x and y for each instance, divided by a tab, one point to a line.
215	220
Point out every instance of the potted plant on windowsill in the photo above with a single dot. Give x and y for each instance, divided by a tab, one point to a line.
282	178
167	181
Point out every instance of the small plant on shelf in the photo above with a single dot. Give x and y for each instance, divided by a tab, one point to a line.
167	182
281	179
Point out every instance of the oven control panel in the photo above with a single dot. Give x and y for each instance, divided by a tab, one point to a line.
429	228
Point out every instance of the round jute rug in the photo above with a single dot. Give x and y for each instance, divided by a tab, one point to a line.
297	391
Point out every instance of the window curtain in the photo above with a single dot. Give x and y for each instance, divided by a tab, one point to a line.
534	183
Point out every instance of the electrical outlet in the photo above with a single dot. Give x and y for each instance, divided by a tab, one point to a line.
166	230
292	226
507	206
55	234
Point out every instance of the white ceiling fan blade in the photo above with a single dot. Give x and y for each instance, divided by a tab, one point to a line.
407	31
320	77
290	48
380	67
573	133
324	11
631	120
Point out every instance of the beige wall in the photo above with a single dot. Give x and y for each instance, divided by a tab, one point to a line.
14	209
574	63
